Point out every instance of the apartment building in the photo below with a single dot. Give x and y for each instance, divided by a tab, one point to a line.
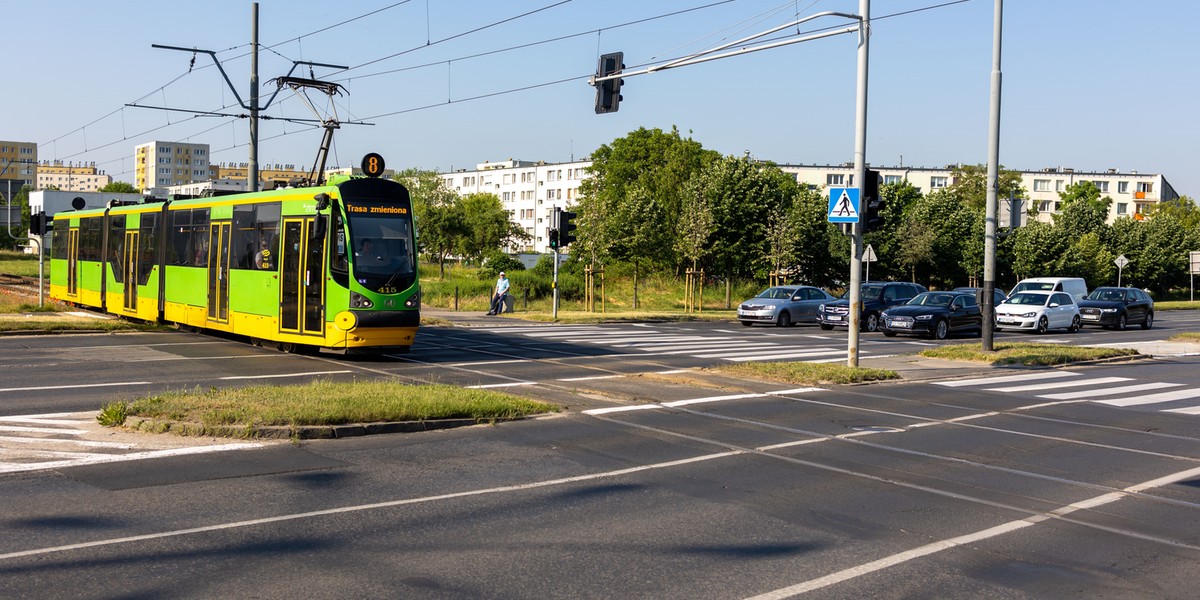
528	190
1131	192
18	167
158	165
71	177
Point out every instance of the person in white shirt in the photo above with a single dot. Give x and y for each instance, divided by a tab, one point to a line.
498	297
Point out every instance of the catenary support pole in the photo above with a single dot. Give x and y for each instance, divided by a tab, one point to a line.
253	175
987	301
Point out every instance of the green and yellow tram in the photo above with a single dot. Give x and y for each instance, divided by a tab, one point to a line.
304	268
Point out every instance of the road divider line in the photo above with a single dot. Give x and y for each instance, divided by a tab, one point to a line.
284	375
72	387
501	385
591	377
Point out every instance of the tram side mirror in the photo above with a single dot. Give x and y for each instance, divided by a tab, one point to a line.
318	230
322	201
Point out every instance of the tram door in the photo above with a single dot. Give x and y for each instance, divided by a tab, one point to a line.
218	272
73	261
302	289
129	269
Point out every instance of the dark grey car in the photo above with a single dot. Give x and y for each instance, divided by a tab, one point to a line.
783	305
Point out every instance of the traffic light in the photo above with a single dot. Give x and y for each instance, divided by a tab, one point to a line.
608	92
566	228
554	238
872	203
39	223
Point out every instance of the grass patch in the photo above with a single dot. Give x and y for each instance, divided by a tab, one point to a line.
43	322
1025	353
1187	336
580	317
802	373
1177	305
328	403
19	263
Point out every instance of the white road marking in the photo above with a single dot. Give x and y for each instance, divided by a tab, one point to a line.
1007	378
73	387
1059	384
501	385
1153	398
1110	391
104	458
590	378
283	375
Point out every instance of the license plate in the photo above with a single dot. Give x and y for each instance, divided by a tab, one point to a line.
1091	317
833	318
900	324
1006	320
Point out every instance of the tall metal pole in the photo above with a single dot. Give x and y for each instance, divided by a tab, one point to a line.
993	183
253	175
860	174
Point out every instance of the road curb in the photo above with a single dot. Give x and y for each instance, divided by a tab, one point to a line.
303	432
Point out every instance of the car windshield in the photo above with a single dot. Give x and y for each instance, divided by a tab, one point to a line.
932	299
1028	298
869	292
777	293
1107	294
1026	286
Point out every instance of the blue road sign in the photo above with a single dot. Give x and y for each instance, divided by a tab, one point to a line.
843	205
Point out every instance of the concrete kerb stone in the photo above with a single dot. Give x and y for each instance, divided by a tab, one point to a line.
304	432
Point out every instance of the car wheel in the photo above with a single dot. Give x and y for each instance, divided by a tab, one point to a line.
785	319
871	323
941	330
747	323
1122	321
1043	325
1149	322
1076	324
825	327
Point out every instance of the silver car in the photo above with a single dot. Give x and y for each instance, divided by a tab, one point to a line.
783	305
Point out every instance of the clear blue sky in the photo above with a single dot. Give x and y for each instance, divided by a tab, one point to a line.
1088	84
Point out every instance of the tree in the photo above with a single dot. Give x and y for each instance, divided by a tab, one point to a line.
120	187
695	225
1036	249
438	216
821	258
1182	208
1083	210
970	184
487	227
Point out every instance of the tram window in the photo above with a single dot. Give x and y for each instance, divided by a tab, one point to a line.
245	240
58	243
116	246
89	238
189	237
147	247
339	265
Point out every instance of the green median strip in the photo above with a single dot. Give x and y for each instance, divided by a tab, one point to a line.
804	373
1025	353
1187	336
245	411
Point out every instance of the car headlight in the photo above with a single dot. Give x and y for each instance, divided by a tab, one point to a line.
883	315
821	308
924	317
1108	310
1027	315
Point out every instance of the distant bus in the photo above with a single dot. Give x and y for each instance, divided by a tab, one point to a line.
330	267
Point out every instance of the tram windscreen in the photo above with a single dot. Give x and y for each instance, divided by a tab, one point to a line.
381	237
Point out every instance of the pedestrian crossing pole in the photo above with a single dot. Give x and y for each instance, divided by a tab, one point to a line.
860	172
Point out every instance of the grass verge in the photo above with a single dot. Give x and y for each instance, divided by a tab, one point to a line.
222	411
580	317
42	322
1187	336
1025	353
802	373
1177	305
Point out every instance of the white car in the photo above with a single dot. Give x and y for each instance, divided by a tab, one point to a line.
1039	311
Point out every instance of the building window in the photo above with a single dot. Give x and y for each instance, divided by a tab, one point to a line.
1041	185
1044	206
1102	186
937	182
835	179
890	179
1058	185
1145	187
1122	208
1122	187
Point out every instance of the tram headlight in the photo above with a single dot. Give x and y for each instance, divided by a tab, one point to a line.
413	301
358	300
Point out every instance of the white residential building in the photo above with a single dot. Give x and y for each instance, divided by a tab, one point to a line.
529	191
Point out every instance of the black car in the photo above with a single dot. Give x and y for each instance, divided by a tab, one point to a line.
876	296
934	314
1117	307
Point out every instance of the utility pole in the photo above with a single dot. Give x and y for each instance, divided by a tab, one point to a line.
987	302
253	175
860	173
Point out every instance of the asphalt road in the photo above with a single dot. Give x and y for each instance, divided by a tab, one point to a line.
659	482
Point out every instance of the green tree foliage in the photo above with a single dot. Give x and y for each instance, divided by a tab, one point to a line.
438	215
970	184
821	254
633	200
1183	208
1157	250
1083	210
120	187
1087	257
486	226
1036	249
744	194
951	222
695	225
888	241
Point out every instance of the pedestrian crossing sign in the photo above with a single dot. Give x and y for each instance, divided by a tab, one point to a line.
843	205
